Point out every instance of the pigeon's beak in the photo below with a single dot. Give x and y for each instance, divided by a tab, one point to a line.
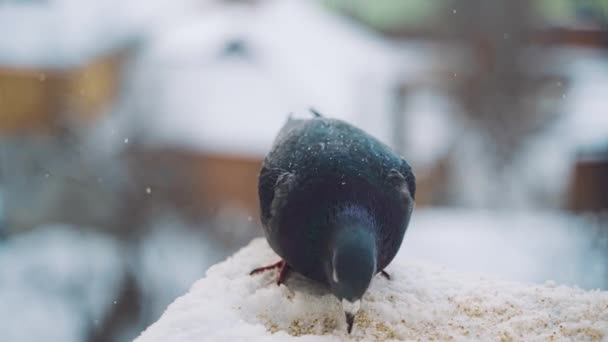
350	311
350	319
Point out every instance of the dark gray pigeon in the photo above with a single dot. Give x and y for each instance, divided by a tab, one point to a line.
335	204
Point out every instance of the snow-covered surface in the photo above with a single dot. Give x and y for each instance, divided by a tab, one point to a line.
521	246
237	103
56	282
63	281
168	259
58	33
421	302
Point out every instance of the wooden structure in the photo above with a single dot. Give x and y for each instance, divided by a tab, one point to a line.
194	183
589	184
34	99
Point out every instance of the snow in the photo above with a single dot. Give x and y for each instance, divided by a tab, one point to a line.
236	104
421	302
516	245
70	32
64	280
429	111
58	281
169	243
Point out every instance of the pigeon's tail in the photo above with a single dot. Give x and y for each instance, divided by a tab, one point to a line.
315	113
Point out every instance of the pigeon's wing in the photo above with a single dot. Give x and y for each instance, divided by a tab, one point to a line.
267	179
275	182
410	179
273	188
403	178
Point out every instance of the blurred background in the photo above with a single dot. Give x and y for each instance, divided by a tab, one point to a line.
132	132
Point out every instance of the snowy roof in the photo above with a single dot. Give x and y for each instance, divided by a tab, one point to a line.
421	302
298	54
60	33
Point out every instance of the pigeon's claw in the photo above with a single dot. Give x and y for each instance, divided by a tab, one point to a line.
283	273
267	268
281	265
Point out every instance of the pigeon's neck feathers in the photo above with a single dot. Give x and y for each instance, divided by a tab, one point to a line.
353	252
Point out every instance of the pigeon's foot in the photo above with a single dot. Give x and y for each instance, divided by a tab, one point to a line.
385	274
284	270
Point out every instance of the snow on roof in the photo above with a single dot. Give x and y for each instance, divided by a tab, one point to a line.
299	37
60	33
421	302
297	55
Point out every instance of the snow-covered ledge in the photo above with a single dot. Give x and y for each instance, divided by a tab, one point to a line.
421	302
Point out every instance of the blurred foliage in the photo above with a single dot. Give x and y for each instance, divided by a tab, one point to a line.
393	15
389	15
555	10
569	11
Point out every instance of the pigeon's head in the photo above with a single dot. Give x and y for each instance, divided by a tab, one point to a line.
352	260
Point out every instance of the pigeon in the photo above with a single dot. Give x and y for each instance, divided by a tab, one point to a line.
335	203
